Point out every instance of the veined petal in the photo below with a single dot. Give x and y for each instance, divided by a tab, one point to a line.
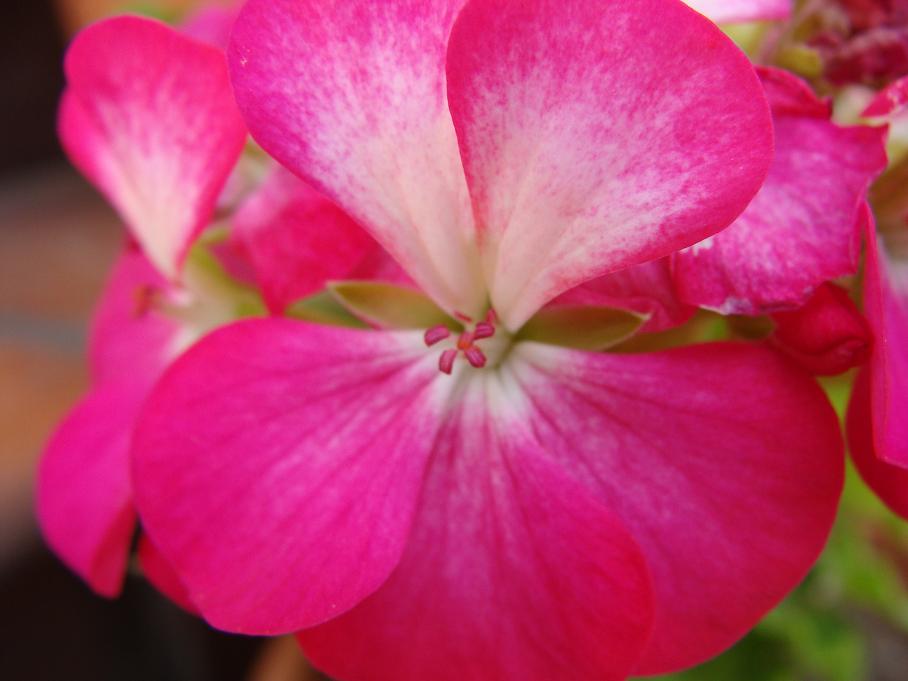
130	338
513	571
596	136
297	240
149	117
277	466
803	228
889	482
84	495
727	11
886	308
646	289
724	461
351	97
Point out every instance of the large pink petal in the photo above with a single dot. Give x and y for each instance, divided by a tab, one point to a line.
351	96
886	307
297	240
803	228
131	339
161	574
277	466
889	482
596	136
724	461
646	289
212	24
84	497
722	11
149	117
513	572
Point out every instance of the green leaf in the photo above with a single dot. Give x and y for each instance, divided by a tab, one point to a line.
388	306
584	328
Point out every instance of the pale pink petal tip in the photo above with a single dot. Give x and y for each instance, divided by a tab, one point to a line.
149	118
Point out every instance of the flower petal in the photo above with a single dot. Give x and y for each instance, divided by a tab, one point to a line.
351	97
149	117
277	466
724	461
596	136
211	24
84	498
130	338
513	572
297	240
803	228
886	308
162	575
727	11
889	482
827	336
645	289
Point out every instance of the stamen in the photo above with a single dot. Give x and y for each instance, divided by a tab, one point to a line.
446	361
483	330
146	297
462	317
437	334
475	356
465	340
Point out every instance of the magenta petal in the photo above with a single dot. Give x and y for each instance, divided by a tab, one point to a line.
722	11
351	97
724	461
131	339
889	482
827	336
631	130
886	307
277	466
803	228
84	498
149	117
297	240
889	102
162	575
212	24
646	289
513	572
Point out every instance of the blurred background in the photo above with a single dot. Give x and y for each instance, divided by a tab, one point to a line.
848	622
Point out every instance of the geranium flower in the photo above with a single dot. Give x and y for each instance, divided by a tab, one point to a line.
541	512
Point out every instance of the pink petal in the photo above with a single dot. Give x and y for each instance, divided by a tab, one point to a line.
646	289
351	97
162	575
212	24
278	464
886	307
724	461
803	227
131	339
889	482
297	240
827	336
726	11
149	118
513	571
889	102
84	498
596	136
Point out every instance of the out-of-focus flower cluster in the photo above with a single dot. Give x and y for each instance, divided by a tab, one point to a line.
481	338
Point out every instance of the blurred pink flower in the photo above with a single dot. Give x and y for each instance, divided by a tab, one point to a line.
555	513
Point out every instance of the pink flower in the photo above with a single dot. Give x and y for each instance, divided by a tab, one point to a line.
726	11
542	512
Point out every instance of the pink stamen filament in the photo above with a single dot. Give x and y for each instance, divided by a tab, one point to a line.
475	356
446	361
466	342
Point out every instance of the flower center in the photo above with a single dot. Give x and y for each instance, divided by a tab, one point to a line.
466	343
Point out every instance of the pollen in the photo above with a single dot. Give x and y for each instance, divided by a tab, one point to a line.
465	344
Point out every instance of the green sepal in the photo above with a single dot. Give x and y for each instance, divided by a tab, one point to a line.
323	308
388	306
583	328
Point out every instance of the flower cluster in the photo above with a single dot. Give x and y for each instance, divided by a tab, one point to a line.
478	338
